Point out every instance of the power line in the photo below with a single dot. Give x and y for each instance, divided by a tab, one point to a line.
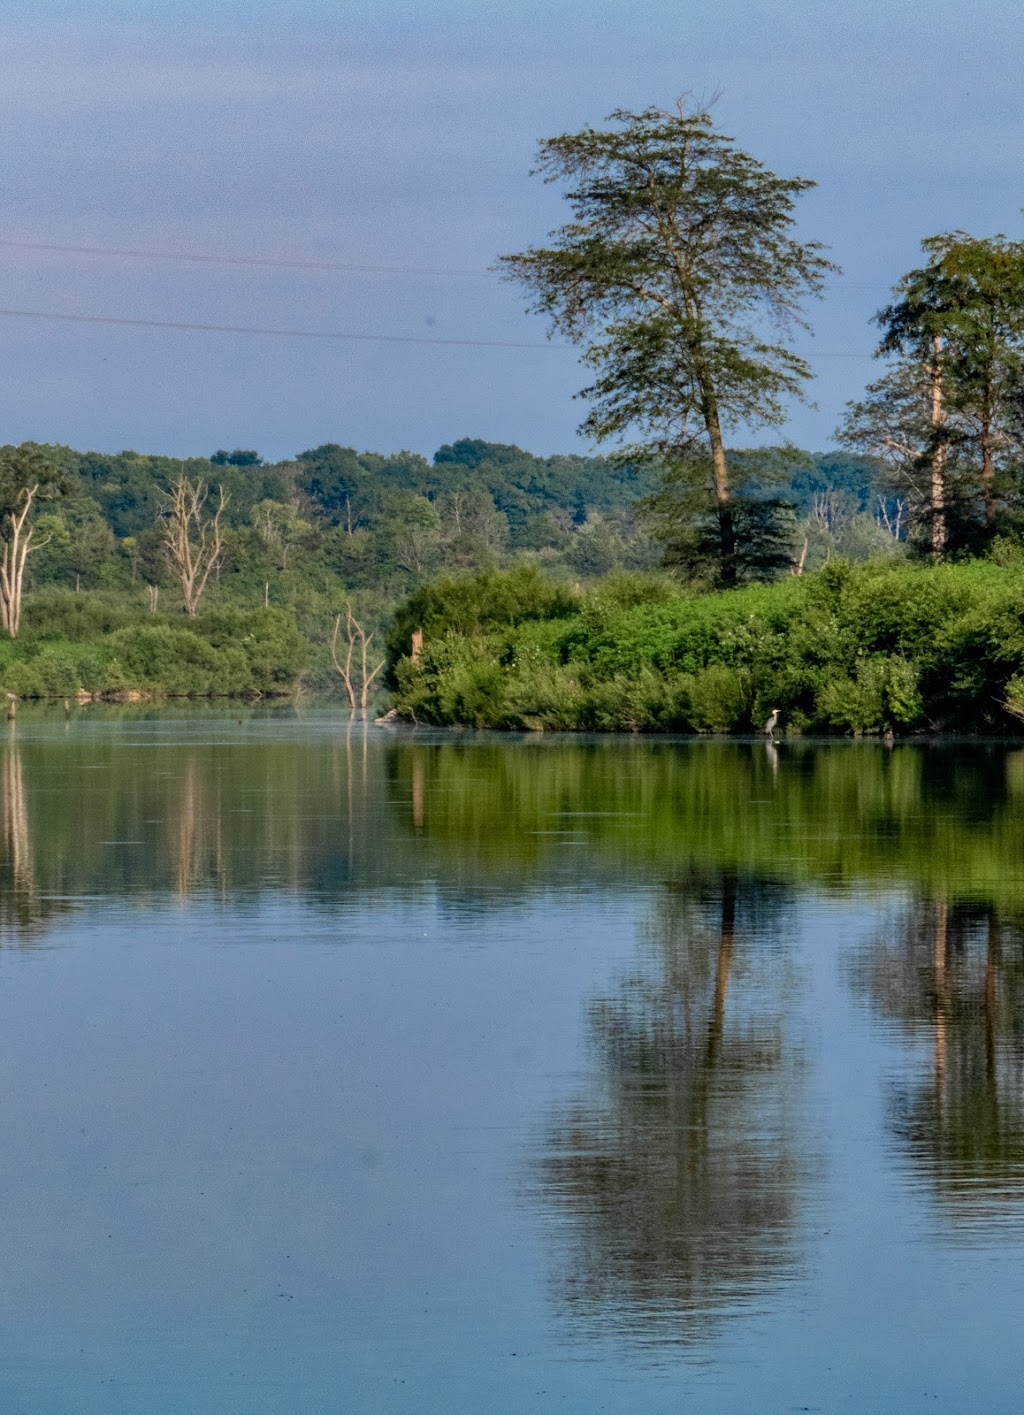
277	333
274	333
281	263
270	262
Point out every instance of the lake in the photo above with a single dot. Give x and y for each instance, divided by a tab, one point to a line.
353	1070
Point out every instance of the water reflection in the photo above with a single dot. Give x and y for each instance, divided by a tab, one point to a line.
19	896
98	817
678	1180
379	1096
948	978
122	809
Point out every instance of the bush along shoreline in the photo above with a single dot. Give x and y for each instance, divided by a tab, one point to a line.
92	646
875	648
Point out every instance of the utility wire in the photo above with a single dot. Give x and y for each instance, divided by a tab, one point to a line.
268	261
281	263
275	333
192	328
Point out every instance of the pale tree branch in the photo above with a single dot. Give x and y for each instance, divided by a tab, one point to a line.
17	546
193	540
358	684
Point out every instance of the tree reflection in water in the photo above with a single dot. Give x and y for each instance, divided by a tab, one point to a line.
950	977
24	911
19	897
679	1180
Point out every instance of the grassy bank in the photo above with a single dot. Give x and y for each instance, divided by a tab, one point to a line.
876	647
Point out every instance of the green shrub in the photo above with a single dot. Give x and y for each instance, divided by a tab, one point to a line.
853	649
65	668
544	695
720	698
1014	697
883	693
274	650
178	662
54	613
22	679
471	603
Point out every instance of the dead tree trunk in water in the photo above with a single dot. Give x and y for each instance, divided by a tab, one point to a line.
357	676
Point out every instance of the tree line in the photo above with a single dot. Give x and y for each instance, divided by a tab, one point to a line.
334	526
682	281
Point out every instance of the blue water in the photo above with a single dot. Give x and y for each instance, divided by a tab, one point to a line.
353	1110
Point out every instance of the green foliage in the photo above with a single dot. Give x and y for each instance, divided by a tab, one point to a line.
679	246
469	604
543	565
335	522
883	692
60	614
720	698
886	646
1014	697
178	662
272	647
686	523
26	467
945	419
106	645
240	457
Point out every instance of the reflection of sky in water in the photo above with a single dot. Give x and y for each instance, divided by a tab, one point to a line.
346	1089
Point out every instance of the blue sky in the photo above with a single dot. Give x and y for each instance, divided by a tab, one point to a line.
401	135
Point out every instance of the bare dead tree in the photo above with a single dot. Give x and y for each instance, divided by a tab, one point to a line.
18	545
894	520
798	567
828	509
193	539
358	676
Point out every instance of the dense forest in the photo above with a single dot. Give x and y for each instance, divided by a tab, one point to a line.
301	542
336	520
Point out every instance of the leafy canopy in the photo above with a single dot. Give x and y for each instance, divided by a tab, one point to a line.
679	255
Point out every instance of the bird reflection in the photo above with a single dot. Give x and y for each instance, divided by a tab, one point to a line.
773	756
681	1173
951	978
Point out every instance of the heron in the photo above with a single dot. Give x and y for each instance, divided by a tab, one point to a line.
770	725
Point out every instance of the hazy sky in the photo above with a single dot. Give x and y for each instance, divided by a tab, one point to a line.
396	134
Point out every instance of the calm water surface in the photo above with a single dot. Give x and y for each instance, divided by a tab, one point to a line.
373	1072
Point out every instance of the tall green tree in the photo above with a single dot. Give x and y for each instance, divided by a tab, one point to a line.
947	412
677	267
